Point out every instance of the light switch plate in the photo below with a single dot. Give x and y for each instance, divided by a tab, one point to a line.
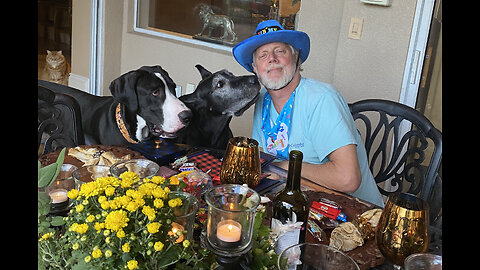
355	29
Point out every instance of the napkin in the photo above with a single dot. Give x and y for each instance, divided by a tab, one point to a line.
208	164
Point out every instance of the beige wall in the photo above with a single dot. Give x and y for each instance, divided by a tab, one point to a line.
371	67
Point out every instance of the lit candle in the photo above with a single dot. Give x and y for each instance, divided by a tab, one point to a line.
58	195
174	232
229	232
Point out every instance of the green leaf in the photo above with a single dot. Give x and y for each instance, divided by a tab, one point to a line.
46	174
43	203
60	159
57	221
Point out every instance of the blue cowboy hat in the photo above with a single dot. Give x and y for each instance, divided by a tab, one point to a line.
267	32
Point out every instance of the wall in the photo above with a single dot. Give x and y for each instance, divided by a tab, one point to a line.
371	67
80	57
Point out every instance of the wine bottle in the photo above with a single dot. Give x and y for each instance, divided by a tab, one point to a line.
290	207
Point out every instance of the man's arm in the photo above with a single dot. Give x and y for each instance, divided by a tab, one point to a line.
341	173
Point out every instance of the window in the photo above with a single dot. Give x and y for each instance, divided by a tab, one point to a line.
214	23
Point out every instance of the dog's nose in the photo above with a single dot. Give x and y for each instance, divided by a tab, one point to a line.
185	116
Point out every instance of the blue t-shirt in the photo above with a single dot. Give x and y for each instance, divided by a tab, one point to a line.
321	123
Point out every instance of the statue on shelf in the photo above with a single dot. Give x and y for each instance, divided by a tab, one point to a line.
212	21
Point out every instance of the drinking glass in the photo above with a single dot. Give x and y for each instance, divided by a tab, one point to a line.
312	256
423	261
241	162
403	228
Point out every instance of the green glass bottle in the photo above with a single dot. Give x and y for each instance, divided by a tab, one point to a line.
290	206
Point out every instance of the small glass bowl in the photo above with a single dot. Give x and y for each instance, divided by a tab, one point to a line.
90	173
143	167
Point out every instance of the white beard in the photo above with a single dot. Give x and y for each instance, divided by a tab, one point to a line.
288	73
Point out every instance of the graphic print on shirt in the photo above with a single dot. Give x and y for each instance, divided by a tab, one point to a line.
279	143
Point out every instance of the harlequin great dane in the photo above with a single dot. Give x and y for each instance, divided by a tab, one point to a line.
143	105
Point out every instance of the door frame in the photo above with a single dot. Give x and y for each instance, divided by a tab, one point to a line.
96	47
416	52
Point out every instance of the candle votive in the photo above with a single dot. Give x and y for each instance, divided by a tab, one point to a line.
59	187
231	215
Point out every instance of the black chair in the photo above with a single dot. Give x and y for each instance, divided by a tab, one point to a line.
401	161
59	121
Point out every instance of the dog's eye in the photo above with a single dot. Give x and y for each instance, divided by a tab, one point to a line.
155	93
220	84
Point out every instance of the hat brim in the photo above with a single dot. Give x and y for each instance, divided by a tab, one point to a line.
243	51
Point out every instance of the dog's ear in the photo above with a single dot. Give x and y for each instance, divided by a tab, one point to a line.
124	91
205	73
158	69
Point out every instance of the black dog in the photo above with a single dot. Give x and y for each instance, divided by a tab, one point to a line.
142	105
217	98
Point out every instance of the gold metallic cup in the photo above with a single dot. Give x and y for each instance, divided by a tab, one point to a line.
241	162
403	228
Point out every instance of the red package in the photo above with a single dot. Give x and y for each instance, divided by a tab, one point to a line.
329	208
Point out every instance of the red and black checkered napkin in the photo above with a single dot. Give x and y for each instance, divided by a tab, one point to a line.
206	162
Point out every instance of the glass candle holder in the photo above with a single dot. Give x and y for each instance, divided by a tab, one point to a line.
59	188
231	214
185	215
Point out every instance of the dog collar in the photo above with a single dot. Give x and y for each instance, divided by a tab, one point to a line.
121	125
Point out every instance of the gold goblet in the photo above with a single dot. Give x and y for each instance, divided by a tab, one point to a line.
241	162
403	228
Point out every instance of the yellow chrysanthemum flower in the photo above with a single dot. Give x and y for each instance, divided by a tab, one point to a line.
96	253
79	208
157	180
158	192
46	236
175	202
126	247
158	246
121	233
153	227
116	220
128	179
109	191
72	194
147	188
149	212
174	180
132	264
108	253
158	203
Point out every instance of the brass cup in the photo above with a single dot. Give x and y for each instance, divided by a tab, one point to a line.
403	227
241	162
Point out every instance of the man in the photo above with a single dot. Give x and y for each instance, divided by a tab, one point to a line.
304	114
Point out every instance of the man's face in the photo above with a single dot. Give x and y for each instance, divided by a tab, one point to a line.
274	64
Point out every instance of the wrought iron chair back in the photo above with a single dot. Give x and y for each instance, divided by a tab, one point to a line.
402	161
407	153
59	121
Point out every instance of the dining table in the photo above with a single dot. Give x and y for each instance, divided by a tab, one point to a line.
273	180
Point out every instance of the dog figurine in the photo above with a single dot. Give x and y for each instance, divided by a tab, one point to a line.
212	21
143	105
217	98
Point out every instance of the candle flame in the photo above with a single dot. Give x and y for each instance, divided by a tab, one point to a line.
174	230
230	227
